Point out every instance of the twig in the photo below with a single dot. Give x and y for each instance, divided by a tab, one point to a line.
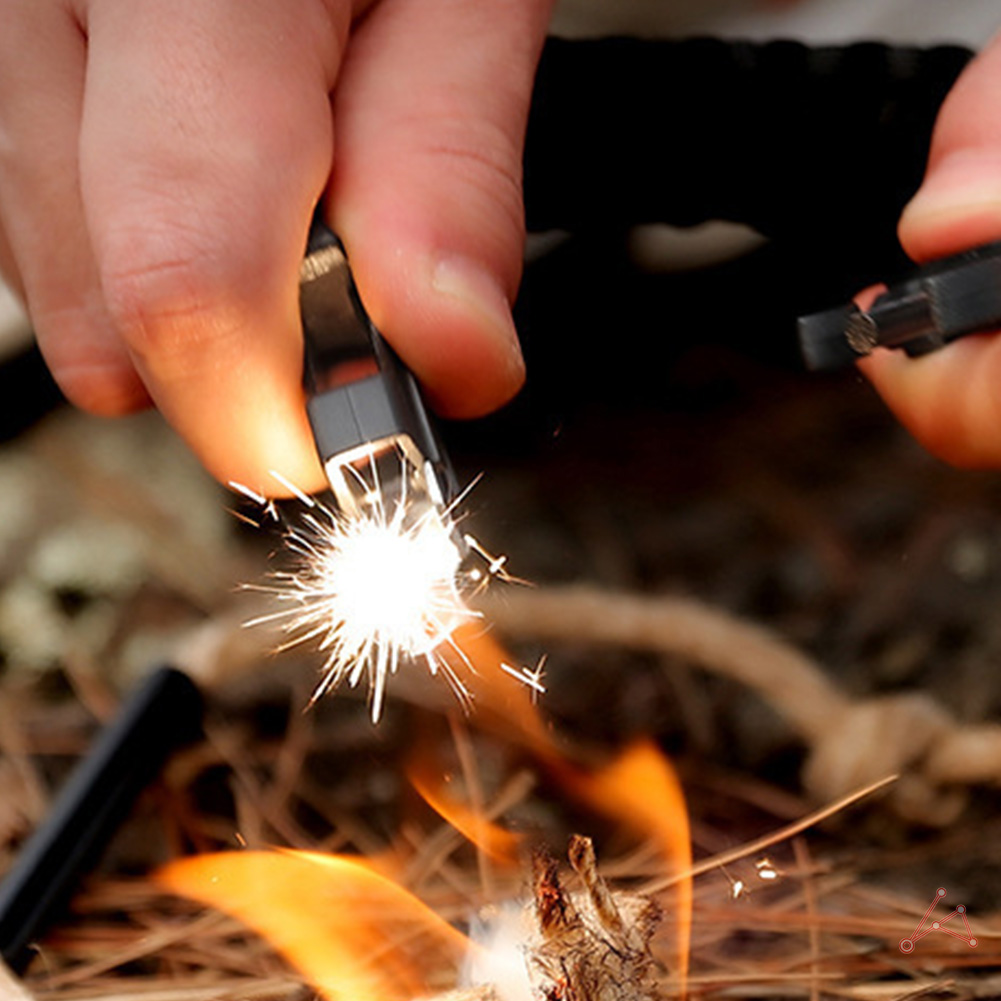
805	866
759	845
474	790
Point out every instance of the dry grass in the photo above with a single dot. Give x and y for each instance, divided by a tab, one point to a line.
824	928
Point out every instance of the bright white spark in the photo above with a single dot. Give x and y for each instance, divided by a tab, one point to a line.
529	677
378	590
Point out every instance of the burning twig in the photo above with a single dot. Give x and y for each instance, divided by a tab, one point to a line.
595	946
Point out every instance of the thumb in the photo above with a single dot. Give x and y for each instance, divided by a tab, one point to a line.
949	400
959	202
430	112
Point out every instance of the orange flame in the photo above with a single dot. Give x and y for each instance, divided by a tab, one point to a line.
639	788
500	701
498	844
353	933
358	936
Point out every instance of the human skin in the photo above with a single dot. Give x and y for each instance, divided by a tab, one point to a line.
950	400
159	165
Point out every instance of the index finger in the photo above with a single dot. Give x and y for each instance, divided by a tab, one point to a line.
206	139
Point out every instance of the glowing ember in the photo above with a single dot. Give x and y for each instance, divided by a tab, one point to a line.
378	589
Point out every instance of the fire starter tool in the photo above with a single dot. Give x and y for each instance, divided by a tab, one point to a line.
373	432
944	300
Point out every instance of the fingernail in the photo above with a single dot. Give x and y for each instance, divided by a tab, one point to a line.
466	280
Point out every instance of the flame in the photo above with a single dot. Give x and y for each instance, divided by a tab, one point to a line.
639	788
496	842
352	932
358	936
501	700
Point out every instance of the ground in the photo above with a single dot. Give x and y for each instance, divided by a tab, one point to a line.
730	477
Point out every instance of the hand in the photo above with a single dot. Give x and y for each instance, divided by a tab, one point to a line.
951	399
159	163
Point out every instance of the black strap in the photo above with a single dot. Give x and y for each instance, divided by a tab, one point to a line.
790	139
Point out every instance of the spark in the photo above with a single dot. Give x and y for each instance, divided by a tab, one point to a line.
385	586
532	678
766	871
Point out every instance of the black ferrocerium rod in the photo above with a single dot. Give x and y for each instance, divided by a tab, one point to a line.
163	713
